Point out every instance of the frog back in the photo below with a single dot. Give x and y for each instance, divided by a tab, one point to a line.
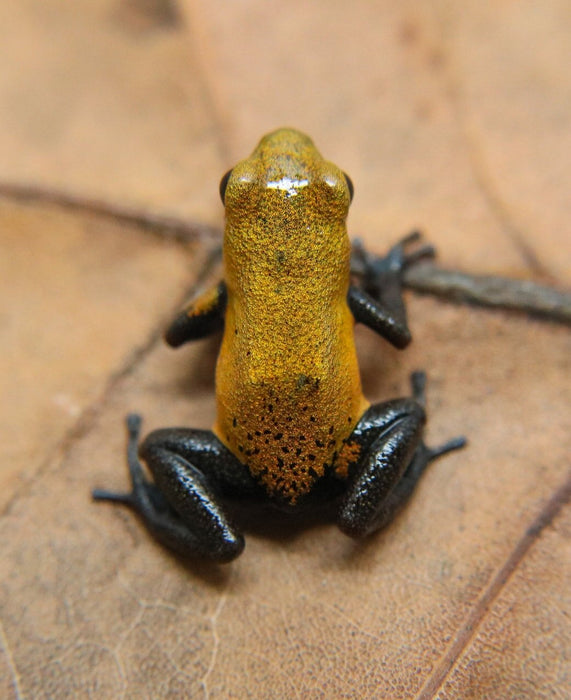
287	378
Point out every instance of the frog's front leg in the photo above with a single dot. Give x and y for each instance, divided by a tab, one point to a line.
392	457
182	509
376	299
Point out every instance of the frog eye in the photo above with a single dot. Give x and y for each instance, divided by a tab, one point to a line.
350	186
223	184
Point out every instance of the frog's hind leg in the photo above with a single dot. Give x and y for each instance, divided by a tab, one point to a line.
192	469
393	458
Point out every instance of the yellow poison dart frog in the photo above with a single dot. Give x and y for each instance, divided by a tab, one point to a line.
293	426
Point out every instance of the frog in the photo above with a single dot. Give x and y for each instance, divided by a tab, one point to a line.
293	427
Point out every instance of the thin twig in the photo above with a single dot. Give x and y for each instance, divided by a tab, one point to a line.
481	290
495	292
172	227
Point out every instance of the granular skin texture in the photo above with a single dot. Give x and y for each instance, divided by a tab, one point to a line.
287	380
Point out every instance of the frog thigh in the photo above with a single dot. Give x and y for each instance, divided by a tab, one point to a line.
183	508
393	458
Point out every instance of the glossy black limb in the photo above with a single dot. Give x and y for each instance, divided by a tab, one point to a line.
377	299
393	458
182	509
372	270
377	317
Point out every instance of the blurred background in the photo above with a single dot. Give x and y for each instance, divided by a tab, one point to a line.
451	117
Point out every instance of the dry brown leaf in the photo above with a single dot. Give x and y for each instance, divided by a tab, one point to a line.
445	119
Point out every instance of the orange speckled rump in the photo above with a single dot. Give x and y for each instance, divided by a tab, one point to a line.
287	380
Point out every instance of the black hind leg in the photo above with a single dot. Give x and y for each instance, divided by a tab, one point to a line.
393	458
182	509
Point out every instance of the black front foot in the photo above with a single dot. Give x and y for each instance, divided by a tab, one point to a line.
380	279
375	272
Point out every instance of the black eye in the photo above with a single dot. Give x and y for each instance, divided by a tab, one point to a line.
223	184
350	186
